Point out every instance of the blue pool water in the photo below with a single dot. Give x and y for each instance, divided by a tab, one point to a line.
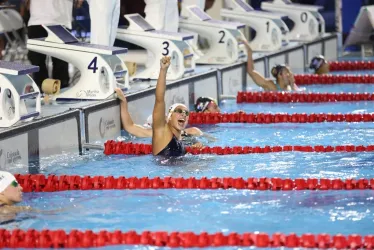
212	211
338	88
225	211
285	164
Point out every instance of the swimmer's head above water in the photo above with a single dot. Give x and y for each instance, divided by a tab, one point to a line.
175	108
319	65
177	116
283	74
206	105
10	190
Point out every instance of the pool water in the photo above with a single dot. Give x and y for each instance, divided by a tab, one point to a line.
333	212
212	211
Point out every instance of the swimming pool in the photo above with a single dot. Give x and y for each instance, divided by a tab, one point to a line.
333	212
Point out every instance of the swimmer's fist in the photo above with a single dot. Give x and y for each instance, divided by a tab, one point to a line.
246	44
165	62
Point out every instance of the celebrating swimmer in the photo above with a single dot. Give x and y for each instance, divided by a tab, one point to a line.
284	78
167	134
144	131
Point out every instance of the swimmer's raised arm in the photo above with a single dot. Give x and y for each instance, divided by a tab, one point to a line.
127	122
159	122
260	80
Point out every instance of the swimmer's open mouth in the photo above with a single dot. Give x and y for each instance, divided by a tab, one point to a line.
181	122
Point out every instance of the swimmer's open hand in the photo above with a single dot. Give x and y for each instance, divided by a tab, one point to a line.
165	62
120	94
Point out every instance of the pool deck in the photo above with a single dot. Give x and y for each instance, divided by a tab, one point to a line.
62	127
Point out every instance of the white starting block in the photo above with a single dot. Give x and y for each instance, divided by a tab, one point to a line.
362	31
101	69
15	87
224	46
158	44
309	23
271	31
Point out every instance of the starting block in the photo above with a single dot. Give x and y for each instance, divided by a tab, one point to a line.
158	44
362	32
101	69
309	23
16	86
10	22
271	31
223	38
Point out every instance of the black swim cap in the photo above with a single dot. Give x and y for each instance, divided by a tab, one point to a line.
317	62
202	103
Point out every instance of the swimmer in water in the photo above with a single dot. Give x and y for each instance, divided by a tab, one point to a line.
319	65
10	194
167	134
144	131
207	105
284	78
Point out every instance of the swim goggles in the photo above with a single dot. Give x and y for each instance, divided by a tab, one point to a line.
181	111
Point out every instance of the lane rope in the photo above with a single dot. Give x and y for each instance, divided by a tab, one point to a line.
263	118
112	147
308	79
350	65
53	183
301	97
84	239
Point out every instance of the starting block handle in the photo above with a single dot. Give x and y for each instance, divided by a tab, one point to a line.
29	95
29	115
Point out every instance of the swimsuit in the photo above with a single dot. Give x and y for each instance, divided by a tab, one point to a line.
174	148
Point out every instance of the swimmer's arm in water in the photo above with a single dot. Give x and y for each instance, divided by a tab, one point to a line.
209	137
159	122
128	123
194	131
8	209
266	84
197	132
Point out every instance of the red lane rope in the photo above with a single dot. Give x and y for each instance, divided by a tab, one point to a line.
351	65
307	79
288	97
52	183
261	118
128	148
84	239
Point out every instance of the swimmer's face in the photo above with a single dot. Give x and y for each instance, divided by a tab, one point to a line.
287	76
179	118
13	193
212	108
324	69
